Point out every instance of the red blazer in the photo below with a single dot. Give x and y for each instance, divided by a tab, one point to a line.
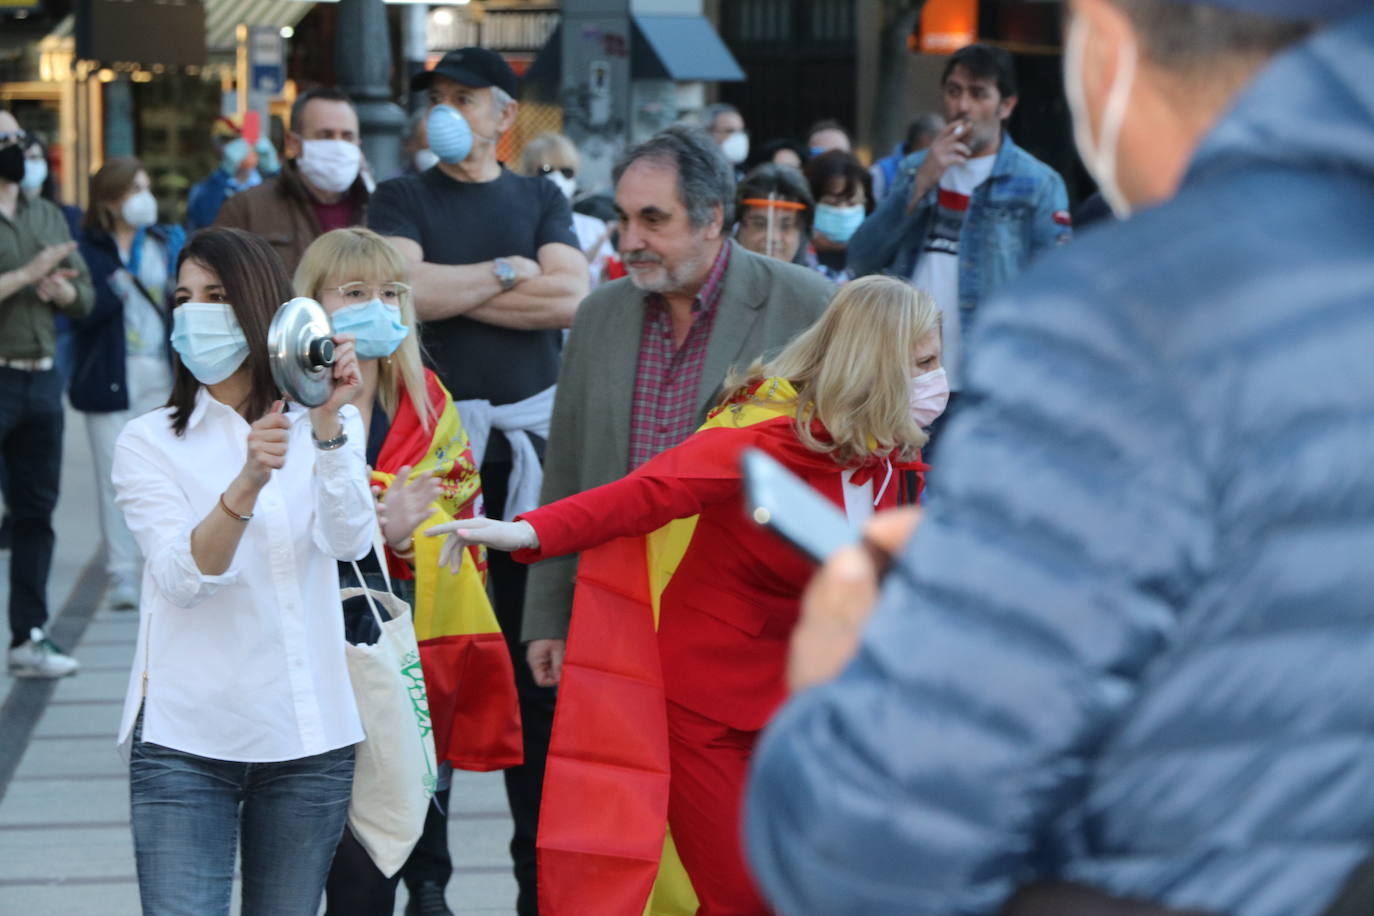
729	609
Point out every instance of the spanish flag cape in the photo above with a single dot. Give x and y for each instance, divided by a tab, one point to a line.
472	701
603	822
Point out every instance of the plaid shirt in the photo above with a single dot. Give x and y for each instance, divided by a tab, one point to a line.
664	410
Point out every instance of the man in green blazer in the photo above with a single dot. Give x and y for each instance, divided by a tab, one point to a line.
647	354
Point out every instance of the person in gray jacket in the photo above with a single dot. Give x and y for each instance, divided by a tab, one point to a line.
1129	645
648	353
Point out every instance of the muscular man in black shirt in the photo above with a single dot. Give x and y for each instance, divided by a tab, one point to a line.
497	276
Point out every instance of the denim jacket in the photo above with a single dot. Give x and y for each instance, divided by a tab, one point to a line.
1021	210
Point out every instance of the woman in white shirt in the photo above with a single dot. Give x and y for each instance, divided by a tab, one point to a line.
239	718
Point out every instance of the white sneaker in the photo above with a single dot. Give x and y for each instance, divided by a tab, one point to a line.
40	657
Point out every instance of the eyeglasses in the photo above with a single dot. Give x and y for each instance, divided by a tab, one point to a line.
12	137
564	171
358	291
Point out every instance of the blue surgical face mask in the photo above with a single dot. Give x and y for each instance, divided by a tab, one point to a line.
450	135
207	337
839	223
35	173
376	326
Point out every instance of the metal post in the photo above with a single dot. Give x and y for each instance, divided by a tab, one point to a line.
362	55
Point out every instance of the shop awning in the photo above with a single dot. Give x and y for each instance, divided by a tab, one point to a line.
680	48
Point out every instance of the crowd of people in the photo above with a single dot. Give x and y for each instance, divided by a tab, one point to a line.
1114	660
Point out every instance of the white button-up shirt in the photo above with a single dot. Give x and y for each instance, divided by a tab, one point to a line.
249	665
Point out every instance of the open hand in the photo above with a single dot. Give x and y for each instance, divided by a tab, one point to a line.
840	598
56	287
486	531
405	505
42	264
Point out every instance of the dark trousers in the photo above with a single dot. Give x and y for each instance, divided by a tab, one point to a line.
525	783
31	449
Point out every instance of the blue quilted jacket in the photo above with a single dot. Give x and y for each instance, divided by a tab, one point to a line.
1132	644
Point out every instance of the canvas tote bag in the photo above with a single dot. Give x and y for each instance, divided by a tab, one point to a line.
395	775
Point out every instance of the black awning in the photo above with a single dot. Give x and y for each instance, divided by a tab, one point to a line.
548	63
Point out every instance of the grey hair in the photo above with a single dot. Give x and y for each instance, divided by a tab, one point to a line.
1197	37
542	148
705	180
501	99
711	112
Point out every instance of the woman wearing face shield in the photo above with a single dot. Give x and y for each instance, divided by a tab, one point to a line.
843	407
423	474
773	212
121	364
239	719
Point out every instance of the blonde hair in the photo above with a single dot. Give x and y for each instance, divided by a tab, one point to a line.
353	254
852	370
546	146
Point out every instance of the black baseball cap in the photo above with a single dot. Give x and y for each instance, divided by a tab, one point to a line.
475	67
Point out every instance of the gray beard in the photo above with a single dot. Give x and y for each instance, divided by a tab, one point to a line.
674	279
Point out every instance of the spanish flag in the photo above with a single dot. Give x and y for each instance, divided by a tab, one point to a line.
604	847
468	674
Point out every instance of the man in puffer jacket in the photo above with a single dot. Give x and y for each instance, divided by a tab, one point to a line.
1132	642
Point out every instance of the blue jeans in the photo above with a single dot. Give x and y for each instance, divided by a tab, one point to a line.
189	813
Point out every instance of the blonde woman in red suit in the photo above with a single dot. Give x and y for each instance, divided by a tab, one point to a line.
842	407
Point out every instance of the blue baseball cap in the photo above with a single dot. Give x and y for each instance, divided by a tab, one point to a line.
1320	10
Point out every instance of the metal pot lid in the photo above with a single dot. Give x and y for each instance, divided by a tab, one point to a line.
300	345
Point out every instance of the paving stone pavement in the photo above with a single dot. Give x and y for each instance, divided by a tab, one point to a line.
65	847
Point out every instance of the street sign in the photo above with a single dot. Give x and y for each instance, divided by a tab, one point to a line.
266	55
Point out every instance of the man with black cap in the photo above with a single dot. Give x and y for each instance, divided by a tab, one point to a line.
1129	644
497	276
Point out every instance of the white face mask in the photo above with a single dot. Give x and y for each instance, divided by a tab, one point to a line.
736	147
929	396
565	184
425	159
1100	160
330	165
140	210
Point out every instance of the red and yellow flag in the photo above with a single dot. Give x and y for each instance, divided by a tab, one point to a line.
604	848
468	674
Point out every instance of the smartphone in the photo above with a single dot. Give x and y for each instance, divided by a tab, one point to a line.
780	501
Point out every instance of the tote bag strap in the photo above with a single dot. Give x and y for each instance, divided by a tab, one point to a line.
379	549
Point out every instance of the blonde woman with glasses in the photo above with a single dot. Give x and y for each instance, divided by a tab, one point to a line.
843	407
423	473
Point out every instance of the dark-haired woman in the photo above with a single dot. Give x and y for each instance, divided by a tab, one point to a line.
121	366
239	719
843	190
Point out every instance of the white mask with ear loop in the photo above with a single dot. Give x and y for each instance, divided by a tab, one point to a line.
1100	161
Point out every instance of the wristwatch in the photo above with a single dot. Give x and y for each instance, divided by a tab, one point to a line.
505	273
